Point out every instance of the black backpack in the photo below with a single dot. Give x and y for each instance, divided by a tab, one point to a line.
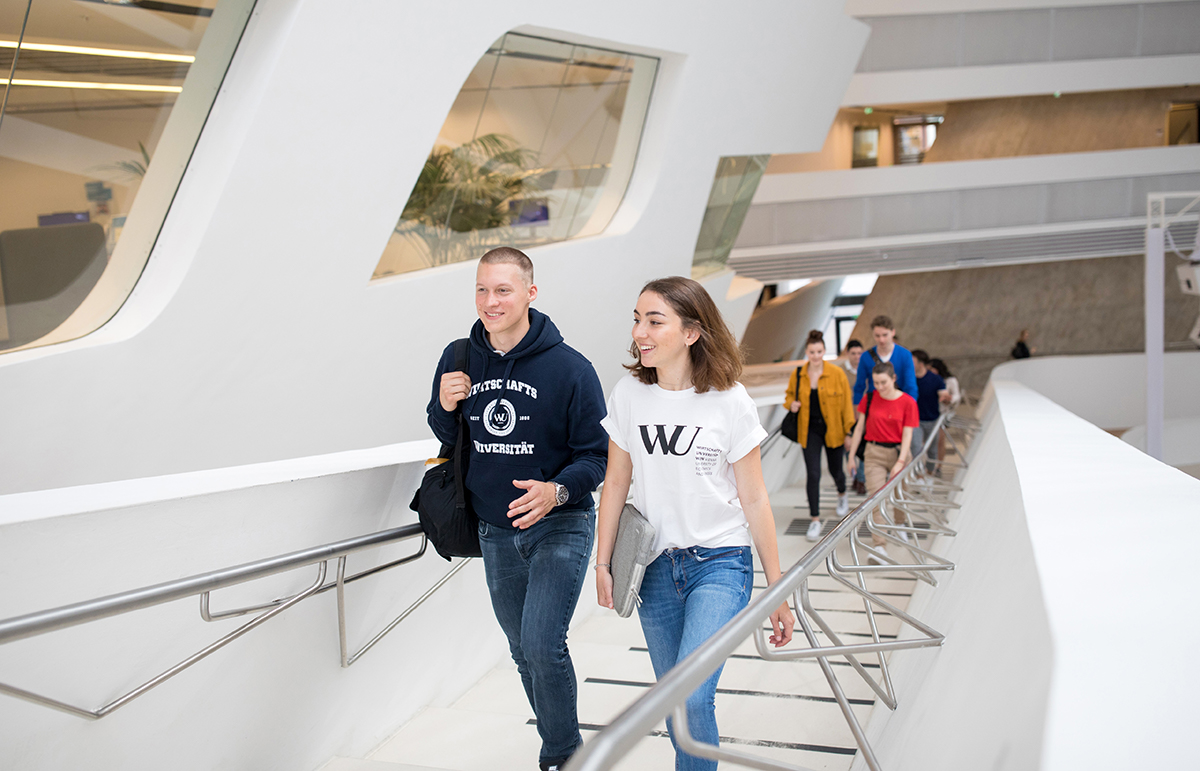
441	503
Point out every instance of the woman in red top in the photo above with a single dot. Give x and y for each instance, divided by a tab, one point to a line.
891	416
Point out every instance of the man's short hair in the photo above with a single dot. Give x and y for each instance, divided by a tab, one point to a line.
510	256
920	356
883	321
853	344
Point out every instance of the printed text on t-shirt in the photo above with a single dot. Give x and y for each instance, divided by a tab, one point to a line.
706	460
668	446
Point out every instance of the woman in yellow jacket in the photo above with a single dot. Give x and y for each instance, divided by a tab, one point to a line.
826	417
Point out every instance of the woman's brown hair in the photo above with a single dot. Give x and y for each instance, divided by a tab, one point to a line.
815	336
716	359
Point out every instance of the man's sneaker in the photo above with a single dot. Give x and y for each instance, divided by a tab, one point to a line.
860	487
814	530
843	505
903	536
873	560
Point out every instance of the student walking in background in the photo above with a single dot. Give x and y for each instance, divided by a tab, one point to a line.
955	391
931	394
685	434
854	351
1022	350
885	350
887	419
820	395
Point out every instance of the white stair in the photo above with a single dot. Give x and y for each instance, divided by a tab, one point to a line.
782	710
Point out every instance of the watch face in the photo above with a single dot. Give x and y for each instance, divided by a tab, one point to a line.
560	494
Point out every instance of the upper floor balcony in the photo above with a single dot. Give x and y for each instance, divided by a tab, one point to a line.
934	51
958	214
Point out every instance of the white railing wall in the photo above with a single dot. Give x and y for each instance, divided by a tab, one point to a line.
1109	390
1083	561
274	699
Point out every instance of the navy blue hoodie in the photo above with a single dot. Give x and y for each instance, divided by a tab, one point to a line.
533	413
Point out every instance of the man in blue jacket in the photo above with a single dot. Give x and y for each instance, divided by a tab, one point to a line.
884	332
533	407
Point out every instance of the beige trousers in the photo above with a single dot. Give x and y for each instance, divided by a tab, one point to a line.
877	467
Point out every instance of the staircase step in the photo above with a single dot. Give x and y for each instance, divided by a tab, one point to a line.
354	764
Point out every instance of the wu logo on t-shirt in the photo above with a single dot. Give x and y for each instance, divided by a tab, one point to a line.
668	446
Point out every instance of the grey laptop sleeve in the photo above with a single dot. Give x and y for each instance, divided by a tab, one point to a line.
631	554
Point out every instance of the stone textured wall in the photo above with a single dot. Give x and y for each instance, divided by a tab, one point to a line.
972	317
1072	123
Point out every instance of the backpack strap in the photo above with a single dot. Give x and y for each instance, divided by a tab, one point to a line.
462	348
462	352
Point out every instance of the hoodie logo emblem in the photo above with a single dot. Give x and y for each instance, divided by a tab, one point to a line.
500	417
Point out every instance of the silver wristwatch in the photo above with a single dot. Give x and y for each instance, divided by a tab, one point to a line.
560	494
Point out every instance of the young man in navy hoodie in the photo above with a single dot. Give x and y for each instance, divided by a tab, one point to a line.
533	407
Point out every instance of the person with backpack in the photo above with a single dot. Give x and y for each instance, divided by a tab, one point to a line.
889	417
820	395
684	435
532	407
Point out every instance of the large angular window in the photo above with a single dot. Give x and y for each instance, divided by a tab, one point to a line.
733	190
538	147
92	147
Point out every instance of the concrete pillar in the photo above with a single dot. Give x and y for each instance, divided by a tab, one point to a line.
1155	302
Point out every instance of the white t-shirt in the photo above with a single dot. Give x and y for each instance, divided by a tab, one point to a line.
683	445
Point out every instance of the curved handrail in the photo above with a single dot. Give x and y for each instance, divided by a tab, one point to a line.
615	741
45	621
41	622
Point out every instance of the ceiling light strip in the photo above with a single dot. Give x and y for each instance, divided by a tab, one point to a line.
89	51
92	85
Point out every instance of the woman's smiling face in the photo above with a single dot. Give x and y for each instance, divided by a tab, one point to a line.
659	333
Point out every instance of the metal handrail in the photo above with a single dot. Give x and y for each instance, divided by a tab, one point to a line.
670	693
46	621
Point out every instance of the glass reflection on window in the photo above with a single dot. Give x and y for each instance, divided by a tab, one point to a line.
89	99
733	190
538	147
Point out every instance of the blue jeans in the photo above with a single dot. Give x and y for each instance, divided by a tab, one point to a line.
534	577
687	595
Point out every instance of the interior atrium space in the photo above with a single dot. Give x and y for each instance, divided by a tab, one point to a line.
926	302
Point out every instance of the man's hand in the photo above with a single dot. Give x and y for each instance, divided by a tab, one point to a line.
534	504
454	388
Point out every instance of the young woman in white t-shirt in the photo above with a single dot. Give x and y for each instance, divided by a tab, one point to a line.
685	434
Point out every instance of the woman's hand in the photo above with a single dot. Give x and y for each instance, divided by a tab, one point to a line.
896	469
794	407
604	587
782	621
852	464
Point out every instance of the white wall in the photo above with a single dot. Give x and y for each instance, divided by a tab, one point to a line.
1070	574
256	334
978	702
274	699
1109	390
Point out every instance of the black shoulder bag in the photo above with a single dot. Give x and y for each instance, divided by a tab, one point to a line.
790	427
440	502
